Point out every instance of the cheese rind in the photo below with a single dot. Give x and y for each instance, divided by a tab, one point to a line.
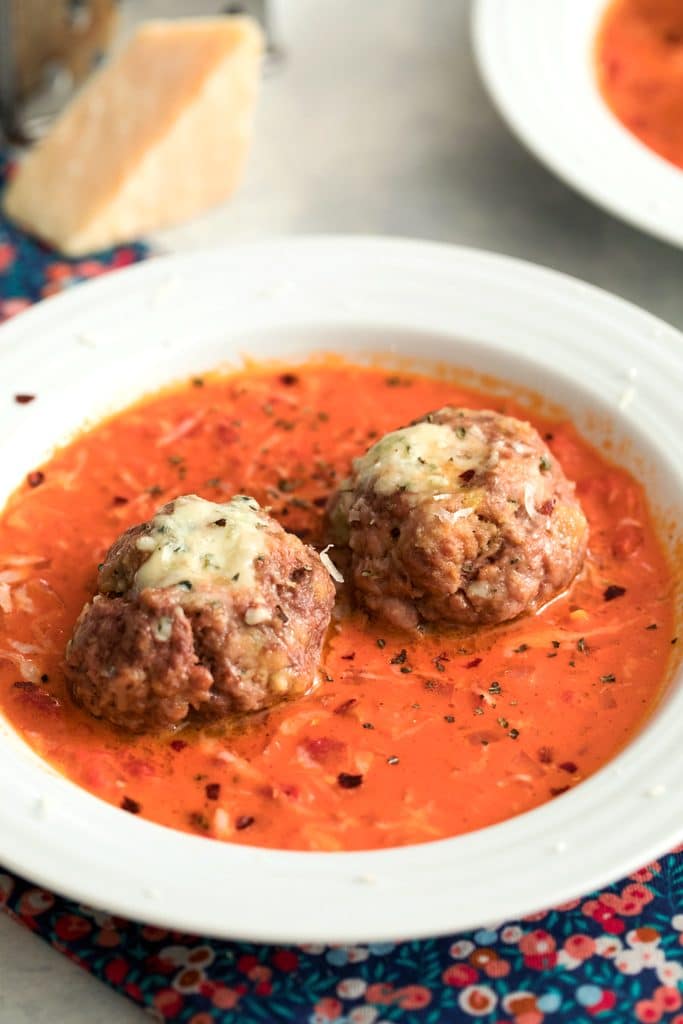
159	135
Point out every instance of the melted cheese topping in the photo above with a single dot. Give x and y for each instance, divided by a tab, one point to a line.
423	459
202	542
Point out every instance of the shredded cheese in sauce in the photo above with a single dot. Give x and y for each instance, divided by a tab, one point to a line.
202	541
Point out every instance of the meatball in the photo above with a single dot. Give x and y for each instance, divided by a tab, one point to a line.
464	517
206	610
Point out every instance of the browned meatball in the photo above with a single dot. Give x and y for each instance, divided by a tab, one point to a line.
462	518
206	610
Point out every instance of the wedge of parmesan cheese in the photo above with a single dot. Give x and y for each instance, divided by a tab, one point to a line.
160	133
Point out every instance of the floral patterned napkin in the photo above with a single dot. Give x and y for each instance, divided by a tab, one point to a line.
615	956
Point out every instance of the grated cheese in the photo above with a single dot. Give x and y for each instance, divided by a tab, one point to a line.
529	492
330	566
187	545
423	459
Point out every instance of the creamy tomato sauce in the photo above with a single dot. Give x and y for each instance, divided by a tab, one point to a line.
403	741
640	69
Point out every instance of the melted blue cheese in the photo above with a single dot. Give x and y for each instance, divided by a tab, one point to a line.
203	543
423	459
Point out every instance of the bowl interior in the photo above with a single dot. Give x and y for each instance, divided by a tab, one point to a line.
477	364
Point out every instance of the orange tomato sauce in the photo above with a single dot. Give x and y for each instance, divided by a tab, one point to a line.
639	54
447	733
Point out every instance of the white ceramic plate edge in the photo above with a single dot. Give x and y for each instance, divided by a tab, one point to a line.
67	840
597	156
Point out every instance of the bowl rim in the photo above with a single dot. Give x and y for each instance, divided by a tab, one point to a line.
625	815
573	132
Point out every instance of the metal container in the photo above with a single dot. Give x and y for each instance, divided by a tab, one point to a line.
49	47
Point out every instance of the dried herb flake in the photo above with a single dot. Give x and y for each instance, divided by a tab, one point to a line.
348	781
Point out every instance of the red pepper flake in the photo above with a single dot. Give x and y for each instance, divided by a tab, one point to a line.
178	745
118	499
521	649
613	591
348	657
346	706
466	476
545	755
244	821
132	806
653	625
347	781
442	689
473	663
226	433
289	379
24	399
558	790
37	698
321	748
36	478
568	766
212	790
547	507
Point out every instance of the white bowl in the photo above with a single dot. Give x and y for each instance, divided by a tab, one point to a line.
537	60
95	348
